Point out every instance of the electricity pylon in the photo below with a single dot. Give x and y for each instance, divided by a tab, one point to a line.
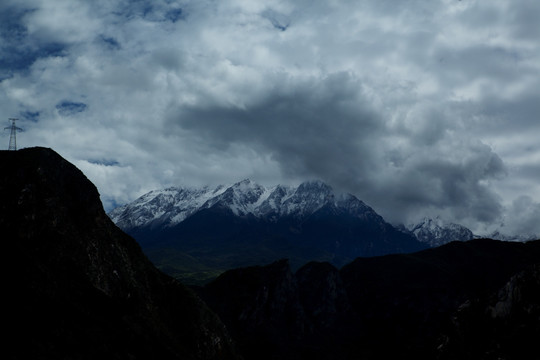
13	135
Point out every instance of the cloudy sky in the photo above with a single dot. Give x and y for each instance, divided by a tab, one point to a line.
418	107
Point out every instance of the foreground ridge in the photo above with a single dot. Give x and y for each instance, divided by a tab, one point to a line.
81	288
464	300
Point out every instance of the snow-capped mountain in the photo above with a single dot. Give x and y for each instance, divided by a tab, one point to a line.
436	232
163	207
169	207
206	230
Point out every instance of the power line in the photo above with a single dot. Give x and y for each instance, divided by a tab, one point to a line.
13	135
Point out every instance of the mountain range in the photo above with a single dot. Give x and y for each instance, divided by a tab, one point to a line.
77	287
198	232
306	222
169	207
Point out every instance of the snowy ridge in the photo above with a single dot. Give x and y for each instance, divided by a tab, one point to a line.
436	232
246	198
168	206
497	235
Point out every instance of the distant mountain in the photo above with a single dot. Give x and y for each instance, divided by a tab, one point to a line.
169	207
437	232
207	230
76	286
498	235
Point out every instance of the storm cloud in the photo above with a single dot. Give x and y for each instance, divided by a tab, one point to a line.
329	130
417	107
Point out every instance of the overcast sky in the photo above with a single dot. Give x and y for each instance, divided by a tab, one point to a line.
418	107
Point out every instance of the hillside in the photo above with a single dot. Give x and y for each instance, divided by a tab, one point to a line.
77	286
464	300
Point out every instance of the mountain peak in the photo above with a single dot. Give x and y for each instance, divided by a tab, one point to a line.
434	231
241	198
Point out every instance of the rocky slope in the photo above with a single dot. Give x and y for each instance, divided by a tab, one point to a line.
501	325
396	306
302	315
77	286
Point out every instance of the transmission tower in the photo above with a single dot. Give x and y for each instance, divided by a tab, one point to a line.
13	135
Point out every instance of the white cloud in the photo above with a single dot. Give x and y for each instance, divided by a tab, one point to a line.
373	96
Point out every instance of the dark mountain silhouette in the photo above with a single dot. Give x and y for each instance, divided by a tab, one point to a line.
76	286
461	300
503	325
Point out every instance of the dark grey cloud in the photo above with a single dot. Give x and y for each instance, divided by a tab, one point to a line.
175	14
510	116
32	116
323	128
110	42
154	11
522	217
329	130
67	108
455	184
278	20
